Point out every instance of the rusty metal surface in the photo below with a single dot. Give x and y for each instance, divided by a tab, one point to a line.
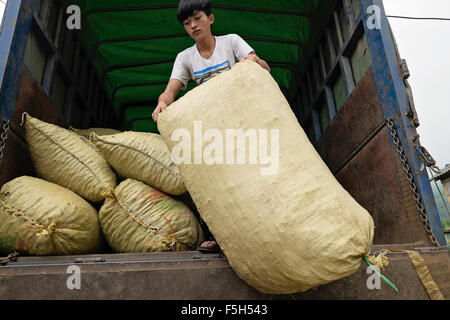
359	117
31	99
17	161
376	180
357	149
439	266
192	275
400	271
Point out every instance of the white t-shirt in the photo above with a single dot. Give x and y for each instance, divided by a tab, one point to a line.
190	65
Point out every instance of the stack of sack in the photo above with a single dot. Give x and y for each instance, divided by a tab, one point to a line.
140	215
55	214
283	231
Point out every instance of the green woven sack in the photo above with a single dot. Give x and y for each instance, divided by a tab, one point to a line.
287	226
38	217
139	218
142	156
63	157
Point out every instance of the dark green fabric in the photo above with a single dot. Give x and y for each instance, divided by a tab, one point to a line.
133	44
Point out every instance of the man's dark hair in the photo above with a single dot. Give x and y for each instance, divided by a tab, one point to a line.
186	8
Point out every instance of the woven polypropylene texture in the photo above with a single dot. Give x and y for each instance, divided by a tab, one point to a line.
142	156
283	231
139	218
38	217
65	158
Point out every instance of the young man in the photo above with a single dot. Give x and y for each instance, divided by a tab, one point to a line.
208	57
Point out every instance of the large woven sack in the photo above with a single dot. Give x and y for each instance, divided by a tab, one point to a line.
38	217
142	156
98	131
65	158
284	228
139	218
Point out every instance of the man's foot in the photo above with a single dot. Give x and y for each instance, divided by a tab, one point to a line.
209	246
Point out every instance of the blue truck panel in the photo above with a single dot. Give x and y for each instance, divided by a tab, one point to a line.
392	93
329	111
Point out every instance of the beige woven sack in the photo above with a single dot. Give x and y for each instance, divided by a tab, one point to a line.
86	133
38	217
139	218
65	158
283	231
142	156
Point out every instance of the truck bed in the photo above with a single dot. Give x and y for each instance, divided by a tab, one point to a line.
193	275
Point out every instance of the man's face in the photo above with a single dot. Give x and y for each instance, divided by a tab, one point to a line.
198	25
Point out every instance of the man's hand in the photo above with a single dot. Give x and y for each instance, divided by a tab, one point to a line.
167	97
160	108
253	57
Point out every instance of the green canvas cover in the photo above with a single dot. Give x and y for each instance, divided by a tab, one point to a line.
133	44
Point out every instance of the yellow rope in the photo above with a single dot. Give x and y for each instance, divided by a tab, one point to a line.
31	223
173	233
112	195
380	260
424	274
23	118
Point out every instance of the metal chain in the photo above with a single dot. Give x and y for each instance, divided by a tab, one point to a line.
3	138
406	168
11	257
424	155
411	114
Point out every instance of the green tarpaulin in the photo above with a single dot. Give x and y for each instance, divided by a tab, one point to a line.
133	44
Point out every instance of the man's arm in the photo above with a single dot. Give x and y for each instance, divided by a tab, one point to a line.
252	56
167	97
